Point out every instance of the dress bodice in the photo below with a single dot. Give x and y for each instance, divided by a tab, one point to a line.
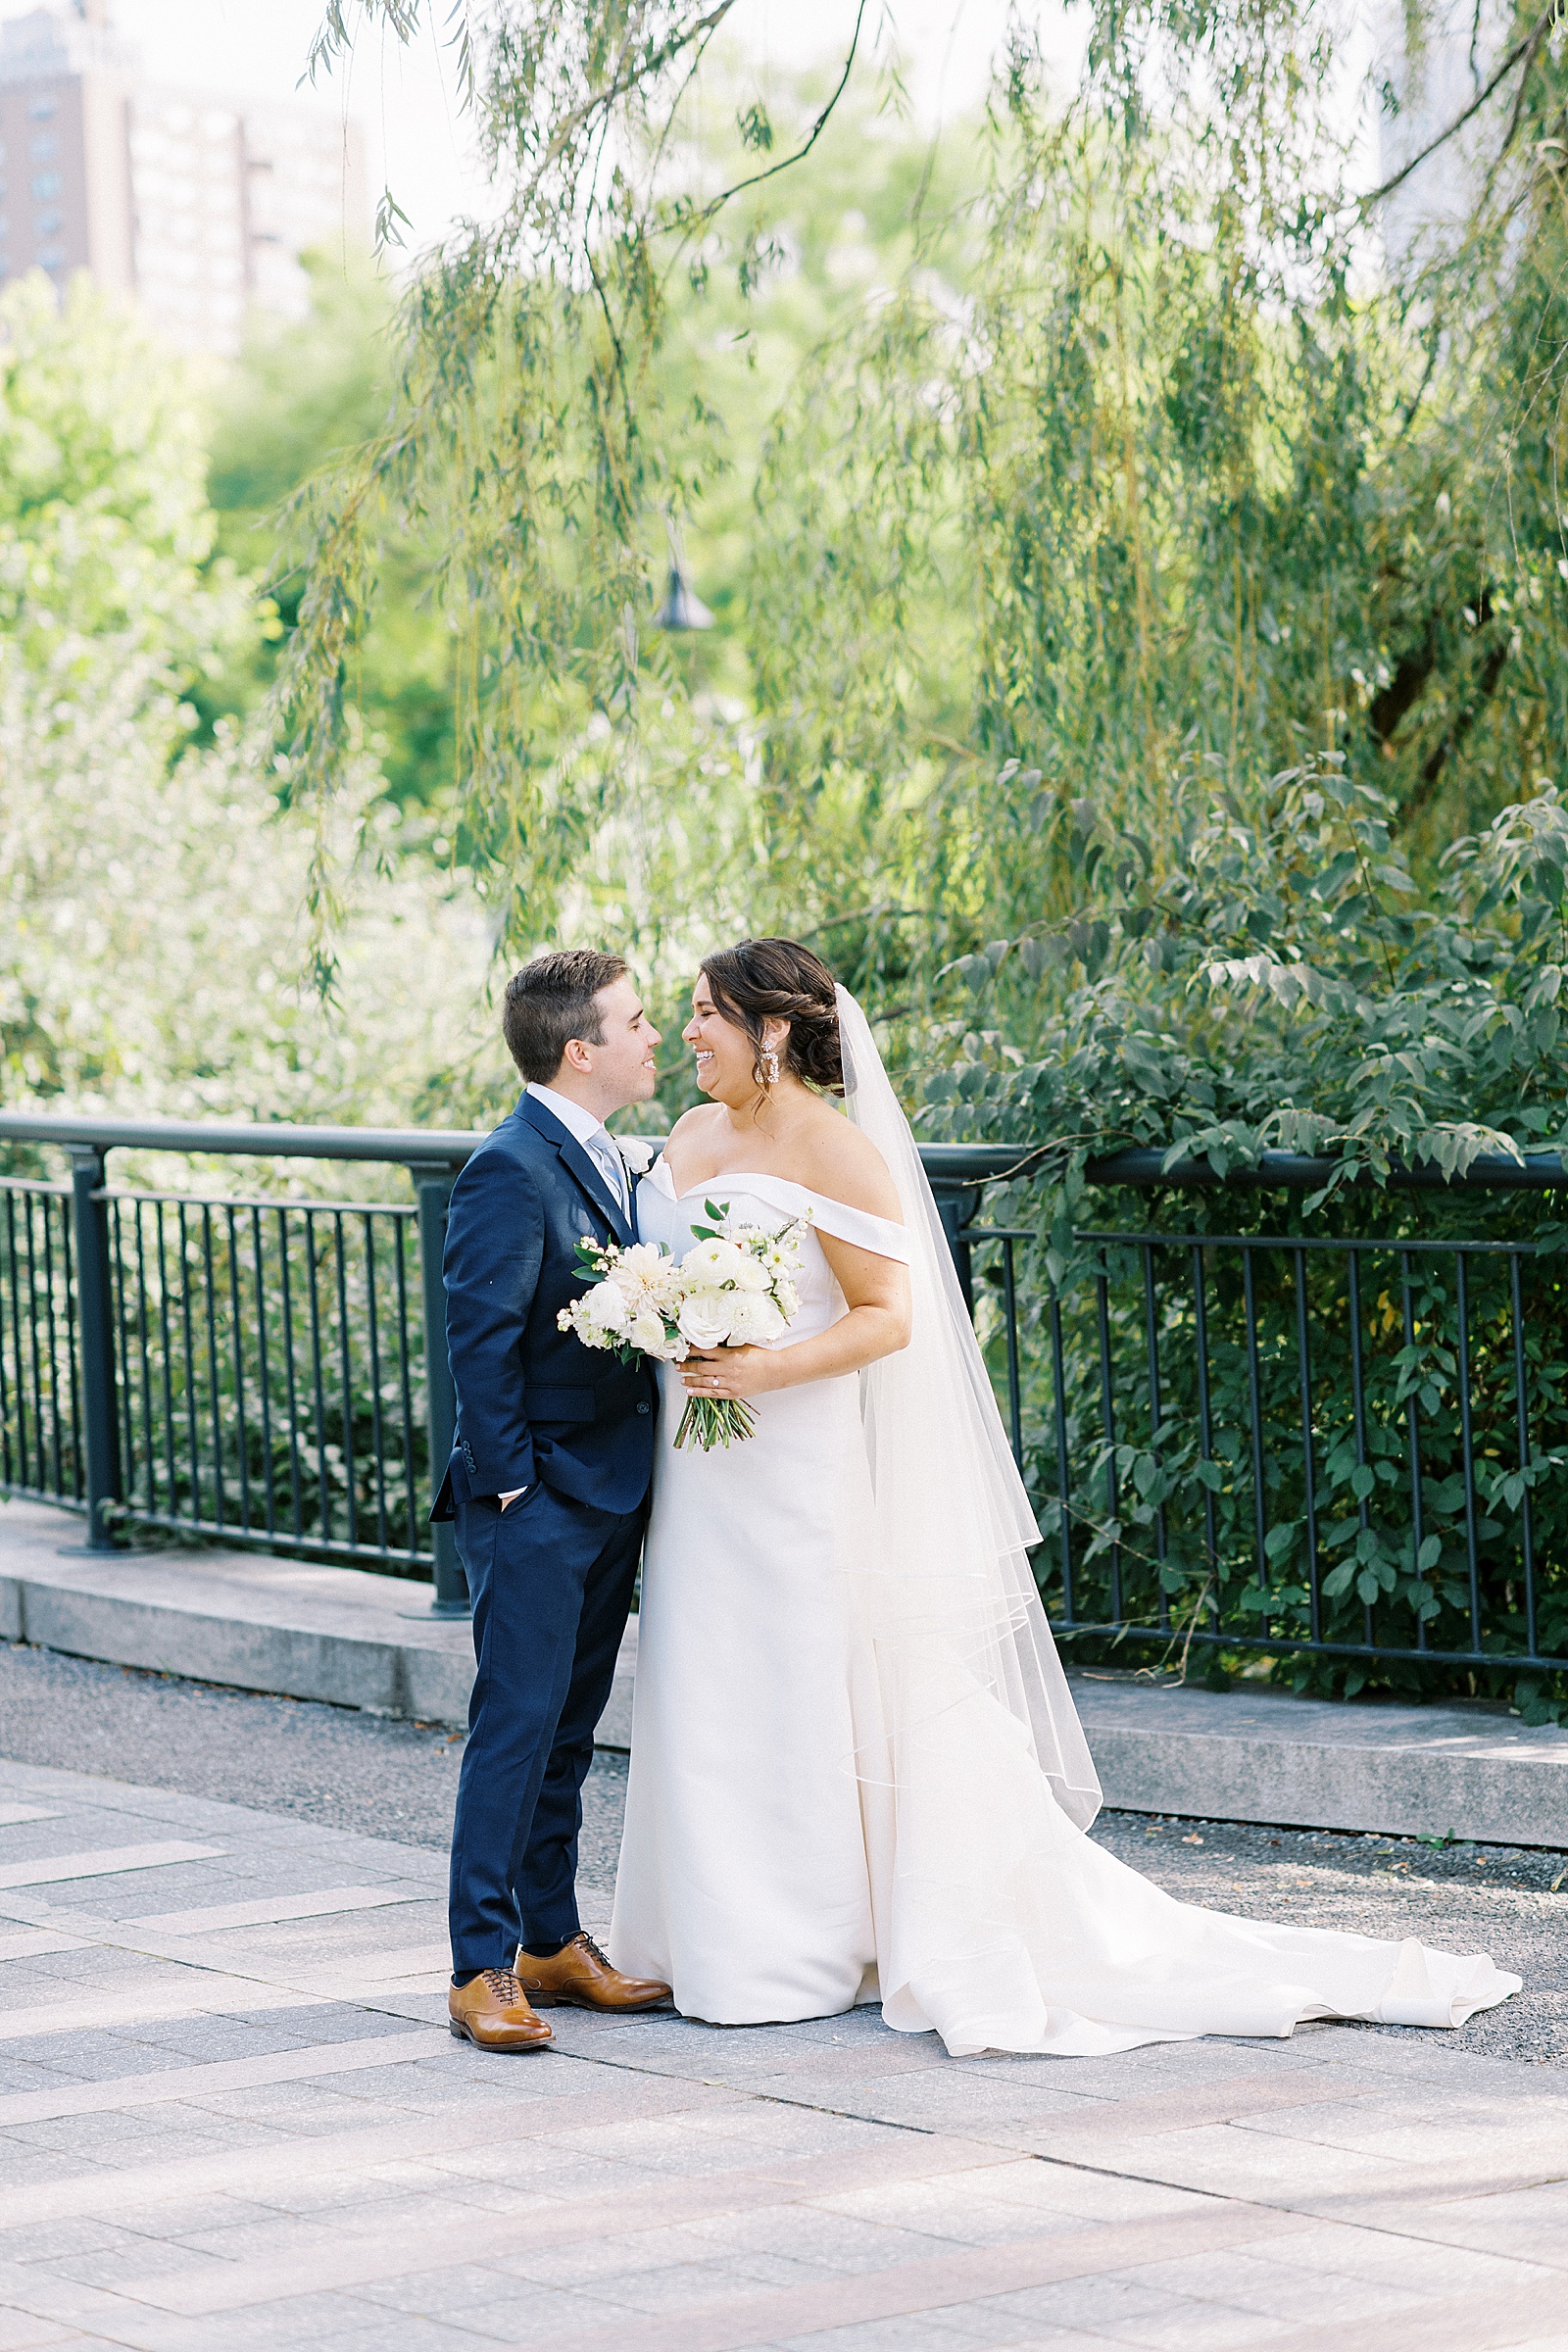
667	1217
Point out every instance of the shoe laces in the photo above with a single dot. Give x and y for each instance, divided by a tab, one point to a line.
503	1982
585	1943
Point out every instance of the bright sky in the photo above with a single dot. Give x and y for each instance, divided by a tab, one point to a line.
403	98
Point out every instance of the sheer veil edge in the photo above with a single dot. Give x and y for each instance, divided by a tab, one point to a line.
967	1668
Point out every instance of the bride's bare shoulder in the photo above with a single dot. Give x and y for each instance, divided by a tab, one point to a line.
843	1165
695	1122
684	1140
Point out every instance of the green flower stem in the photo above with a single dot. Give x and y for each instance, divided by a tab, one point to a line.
710	1421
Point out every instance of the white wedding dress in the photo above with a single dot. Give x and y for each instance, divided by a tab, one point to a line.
857	1774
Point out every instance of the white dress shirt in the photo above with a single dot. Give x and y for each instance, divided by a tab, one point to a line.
591	1133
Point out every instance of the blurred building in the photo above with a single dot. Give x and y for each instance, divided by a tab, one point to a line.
197	208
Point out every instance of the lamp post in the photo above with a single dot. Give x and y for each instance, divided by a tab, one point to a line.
683	608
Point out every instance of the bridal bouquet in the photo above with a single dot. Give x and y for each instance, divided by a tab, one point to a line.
634	1301
735	1287
737	1291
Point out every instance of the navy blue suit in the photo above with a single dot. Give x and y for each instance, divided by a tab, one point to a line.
551	1579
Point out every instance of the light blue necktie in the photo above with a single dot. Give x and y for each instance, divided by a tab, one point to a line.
612	1167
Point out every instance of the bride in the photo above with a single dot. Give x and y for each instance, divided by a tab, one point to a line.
856	1772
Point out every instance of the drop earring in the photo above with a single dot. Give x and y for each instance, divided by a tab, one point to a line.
770	1066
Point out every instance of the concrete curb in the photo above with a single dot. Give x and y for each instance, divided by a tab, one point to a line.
1467	1770
249	1621
337	1634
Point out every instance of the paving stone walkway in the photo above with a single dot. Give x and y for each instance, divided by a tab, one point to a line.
231	2117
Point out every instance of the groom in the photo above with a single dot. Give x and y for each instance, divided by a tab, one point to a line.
548	1485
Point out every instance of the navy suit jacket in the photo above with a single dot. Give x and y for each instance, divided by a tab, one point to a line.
533	1402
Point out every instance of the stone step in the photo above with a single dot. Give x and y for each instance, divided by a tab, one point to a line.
342	1635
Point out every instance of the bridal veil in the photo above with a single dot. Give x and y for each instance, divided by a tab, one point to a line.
973	1733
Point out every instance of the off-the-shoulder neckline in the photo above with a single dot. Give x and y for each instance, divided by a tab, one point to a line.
763	1176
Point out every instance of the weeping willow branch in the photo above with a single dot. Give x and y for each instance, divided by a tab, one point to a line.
1524	52
528	448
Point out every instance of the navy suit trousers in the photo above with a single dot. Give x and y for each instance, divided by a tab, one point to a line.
551	1580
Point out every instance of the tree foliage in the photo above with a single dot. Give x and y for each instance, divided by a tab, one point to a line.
152	936
1132	469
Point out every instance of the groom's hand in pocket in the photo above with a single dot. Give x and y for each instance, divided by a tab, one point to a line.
507	1500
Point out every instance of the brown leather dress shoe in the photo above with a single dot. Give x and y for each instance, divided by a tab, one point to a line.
581	1977
492	2009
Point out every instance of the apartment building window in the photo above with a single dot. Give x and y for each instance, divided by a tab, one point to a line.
41	108
45	185
44	147
47	224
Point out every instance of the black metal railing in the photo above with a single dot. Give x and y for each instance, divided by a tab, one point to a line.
41	1450
254	1370
1349	1447
271	1375
1356	1448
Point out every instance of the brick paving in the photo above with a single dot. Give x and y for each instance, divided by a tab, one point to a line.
231	2117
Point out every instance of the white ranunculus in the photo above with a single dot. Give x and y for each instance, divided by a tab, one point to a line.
705	1319
606	1308
753	1274
753	1320
642	1259
713	1263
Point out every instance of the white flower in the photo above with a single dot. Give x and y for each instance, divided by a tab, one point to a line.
604	1308
667	1290
642	1259
646	1331
753	1275
638	1154
705	1319
753	1320
711	1265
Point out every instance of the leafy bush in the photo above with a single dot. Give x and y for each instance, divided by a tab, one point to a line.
1283	989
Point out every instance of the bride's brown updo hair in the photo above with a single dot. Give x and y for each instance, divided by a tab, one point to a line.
778	980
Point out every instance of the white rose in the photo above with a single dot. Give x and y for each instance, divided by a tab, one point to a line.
753	1275
646	1331
712	1263
606	1308
705	1321
754	1320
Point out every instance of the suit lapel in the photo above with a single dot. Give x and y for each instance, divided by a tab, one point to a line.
579	1162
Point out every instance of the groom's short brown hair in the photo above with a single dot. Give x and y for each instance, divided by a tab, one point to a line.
549	1002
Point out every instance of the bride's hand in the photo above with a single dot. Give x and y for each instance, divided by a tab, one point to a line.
729	1371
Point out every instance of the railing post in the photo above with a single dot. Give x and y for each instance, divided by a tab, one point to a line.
955	1207
95	1316
433	1188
